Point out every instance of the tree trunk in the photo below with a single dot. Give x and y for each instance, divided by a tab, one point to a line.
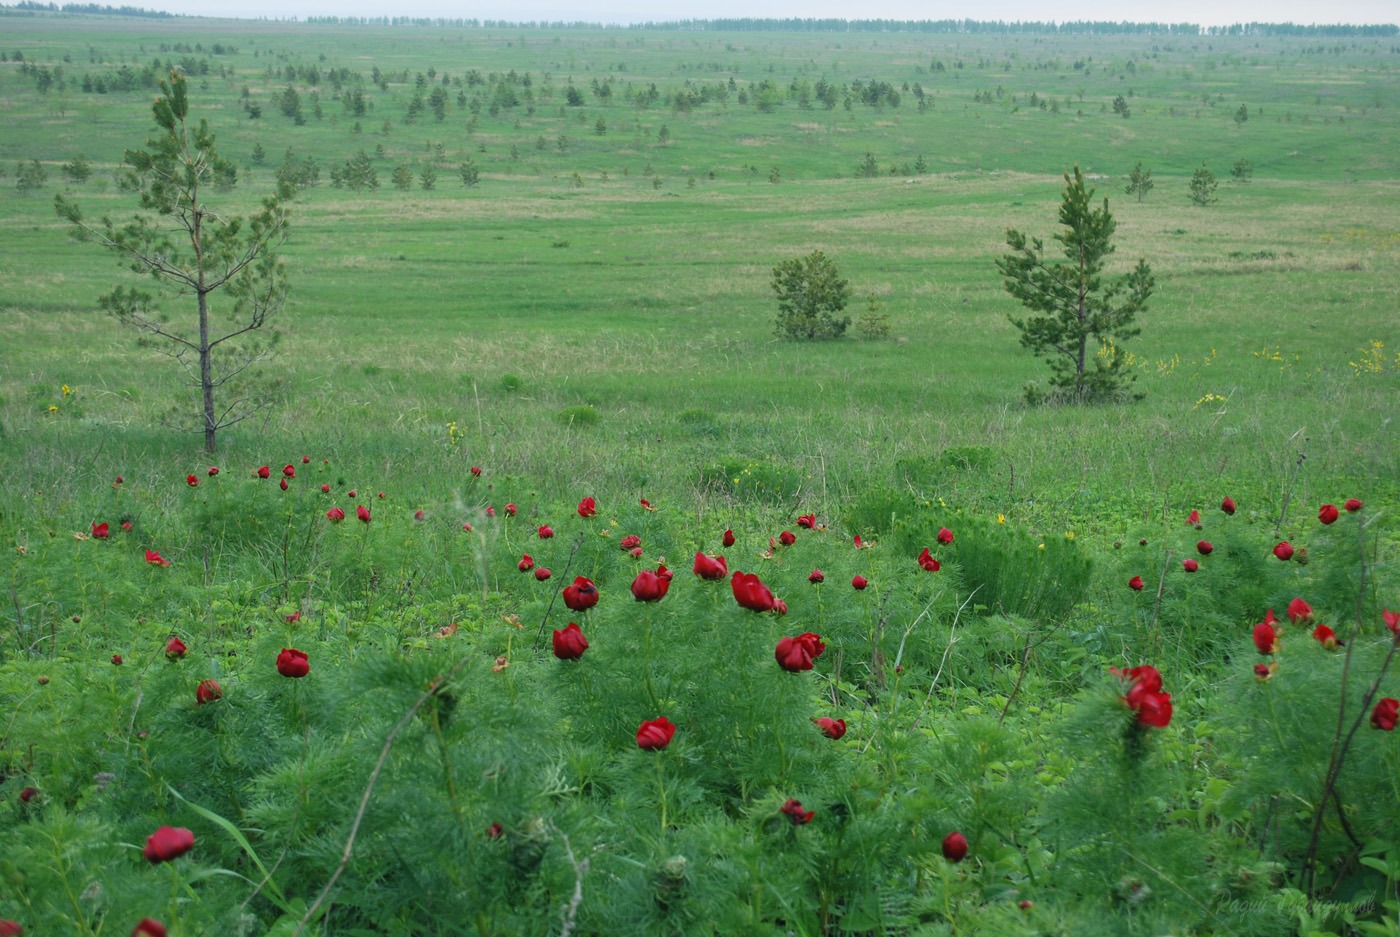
206	373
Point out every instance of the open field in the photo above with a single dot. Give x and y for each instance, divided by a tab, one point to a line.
594	318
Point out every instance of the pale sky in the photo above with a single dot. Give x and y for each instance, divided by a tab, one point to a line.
1203	12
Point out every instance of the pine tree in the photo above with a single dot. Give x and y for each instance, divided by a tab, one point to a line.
1079	321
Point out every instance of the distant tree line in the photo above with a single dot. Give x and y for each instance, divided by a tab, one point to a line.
99	9
947	26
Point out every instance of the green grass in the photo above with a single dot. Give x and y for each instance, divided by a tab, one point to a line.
615	339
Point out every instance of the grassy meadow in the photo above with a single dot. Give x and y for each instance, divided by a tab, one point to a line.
593	317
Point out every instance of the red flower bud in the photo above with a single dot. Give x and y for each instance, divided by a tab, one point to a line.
1228	505
1352	505
207	692
728	538
293	663
167	843
581	595
569	642
859	582
655	734
831	728
264	471
1328	514
1135	583
1386	714
1283	550
955	847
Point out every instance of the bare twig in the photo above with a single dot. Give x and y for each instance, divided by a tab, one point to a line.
567	566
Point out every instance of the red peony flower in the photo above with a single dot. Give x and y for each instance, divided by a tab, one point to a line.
808	521
168	842
283	484
192	481
1228	505
787	538
1190	565
954	847
476	471
1265	672
208	691
831	728
490	511
646	505
542	573
1300	611
306	460
293	618
150	927
569	643
581	595
1266	637
793	809
468	527
708	567
796	654
175	649
126	525
859	582
545	532
362	513
293	663
10	928
655	734
1326	637
816	577
860	544
1392	621
651	586
100	531
325	489
335	515
1145	696
494	831
264	471
1386	714
635	553
1352	505
629	542
28	794
119	480
1328	514
117	660
945	536
155	559
1193	518
927	561
527	563
587	507
1283	550
511	510
750	593
1135	583
289	471
728	538
1204	547
780	607
350	493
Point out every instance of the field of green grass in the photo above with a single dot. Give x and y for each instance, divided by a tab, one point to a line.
594	318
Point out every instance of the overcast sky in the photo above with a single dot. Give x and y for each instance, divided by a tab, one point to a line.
1204	12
